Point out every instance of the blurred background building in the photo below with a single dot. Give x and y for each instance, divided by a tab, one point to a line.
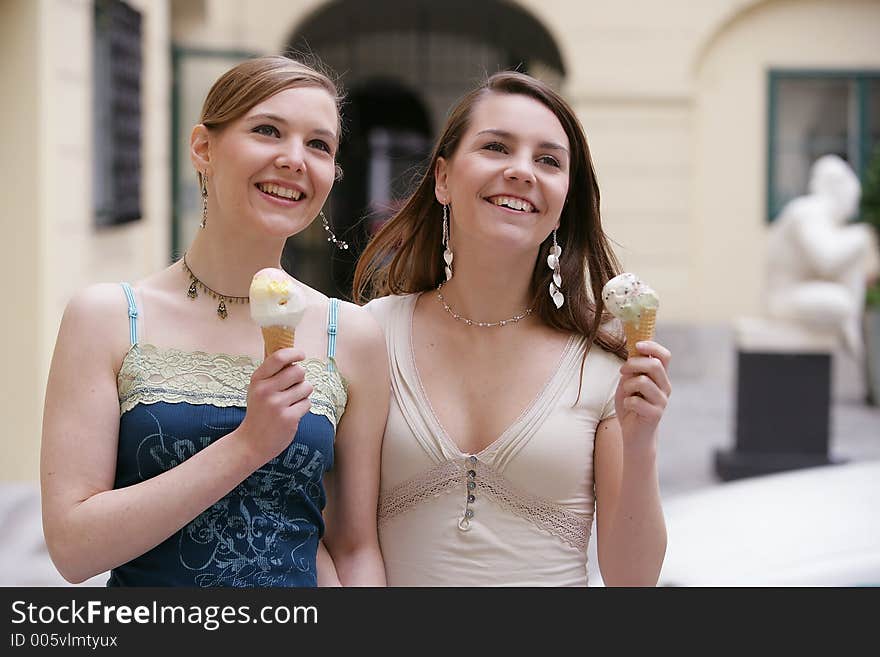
703	119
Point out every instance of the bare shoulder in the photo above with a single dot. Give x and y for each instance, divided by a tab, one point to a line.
360	346
98	304
97	318
313	297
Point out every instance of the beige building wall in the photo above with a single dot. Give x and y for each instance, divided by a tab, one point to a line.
631	78
730	132
47	58
672	96
21	264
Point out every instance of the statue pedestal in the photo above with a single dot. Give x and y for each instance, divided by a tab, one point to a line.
783	399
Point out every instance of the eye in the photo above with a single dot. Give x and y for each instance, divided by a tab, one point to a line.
495	146
267	130
321	145
549	160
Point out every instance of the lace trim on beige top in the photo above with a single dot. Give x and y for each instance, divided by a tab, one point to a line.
570	527
149	375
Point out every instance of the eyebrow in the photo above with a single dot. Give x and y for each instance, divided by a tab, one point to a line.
548	145
283	121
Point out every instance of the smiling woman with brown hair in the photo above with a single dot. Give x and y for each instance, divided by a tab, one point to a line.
510	422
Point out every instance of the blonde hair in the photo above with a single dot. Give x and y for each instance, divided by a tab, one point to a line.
255	80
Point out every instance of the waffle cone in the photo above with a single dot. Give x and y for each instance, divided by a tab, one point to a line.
644	331
276	337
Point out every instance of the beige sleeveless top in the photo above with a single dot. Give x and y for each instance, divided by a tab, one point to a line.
519	512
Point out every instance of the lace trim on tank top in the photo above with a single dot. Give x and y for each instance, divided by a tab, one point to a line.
149	375
570	527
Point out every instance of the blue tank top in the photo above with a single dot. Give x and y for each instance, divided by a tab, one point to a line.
265	531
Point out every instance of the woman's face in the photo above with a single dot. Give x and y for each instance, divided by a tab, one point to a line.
274	167
507	181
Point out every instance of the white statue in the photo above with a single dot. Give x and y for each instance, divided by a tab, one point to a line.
819	265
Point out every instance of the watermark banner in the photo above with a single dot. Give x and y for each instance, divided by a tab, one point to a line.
125	620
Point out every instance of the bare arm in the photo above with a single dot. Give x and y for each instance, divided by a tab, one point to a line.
327	576
91	528
353	487
629	517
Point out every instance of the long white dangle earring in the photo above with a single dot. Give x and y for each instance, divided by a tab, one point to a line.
553	263
447	252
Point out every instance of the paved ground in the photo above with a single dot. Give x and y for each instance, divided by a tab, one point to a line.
698	421
700	417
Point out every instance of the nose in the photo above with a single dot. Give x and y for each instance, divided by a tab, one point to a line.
520	169
291	156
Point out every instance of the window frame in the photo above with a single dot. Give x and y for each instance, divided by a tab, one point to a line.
117	127
179	56
862	77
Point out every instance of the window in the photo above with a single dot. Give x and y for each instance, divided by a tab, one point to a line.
813	114
117	113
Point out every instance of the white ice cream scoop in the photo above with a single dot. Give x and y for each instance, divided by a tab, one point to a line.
275	299
635	304
627	297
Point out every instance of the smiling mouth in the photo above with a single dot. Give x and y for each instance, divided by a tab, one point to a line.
511	203
285	193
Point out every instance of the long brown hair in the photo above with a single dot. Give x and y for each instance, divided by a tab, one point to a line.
404	256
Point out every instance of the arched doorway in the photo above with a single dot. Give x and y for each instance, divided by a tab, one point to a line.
402	63
388	137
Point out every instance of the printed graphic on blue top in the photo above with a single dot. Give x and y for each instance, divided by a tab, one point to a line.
263	533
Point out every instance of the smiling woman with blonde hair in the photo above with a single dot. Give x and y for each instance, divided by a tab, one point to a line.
173	454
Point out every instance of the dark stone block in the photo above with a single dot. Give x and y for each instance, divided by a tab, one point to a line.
783	414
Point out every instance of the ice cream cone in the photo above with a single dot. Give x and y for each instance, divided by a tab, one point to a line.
275	338
277	306
644	330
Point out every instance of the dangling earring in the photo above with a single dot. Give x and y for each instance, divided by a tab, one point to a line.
447	252
332	238
553	263
204	178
